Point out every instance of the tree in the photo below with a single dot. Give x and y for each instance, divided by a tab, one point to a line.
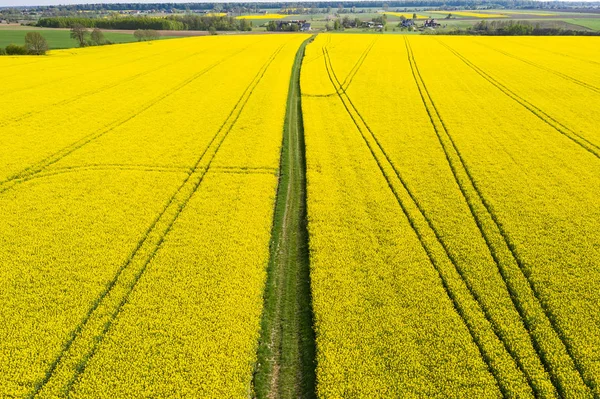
272	26
337	25
79	33
212	30
97	37
245	25
35	43
414	16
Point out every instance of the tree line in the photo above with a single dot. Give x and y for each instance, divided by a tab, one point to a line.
129	23
173	22
517	28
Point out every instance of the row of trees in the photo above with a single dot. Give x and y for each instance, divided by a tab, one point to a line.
205	22
281	26
35	44
86	38
130	23
518	28
173	22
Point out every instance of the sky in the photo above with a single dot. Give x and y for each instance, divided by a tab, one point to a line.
12	3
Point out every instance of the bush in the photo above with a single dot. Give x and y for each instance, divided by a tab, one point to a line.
146	34
13	49
97	37
2	51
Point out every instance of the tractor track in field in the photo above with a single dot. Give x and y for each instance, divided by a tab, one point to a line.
85	72
77	365
423	95
70	100
578	139
504	388
285	366
570	57
348	81
544	68
64	152
515	294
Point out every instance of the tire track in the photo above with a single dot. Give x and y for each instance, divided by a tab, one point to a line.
536	65
37	86
352	72
570	57
525	302
57	156
463	307
566	371
348	81
106	167
70	100
559	127
84	340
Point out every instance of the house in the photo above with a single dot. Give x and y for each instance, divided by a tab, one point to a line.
431	23
305	27
407	23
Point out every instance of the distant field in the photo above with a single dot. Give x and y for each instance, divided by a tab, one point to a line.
591	23
56	38
261	16
474	14
403	14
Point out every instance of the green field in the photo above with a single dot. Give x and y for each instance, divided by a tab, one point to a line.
591	23
56	38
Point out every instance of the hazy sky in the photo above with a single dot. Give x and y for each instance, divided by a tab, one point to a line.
8	3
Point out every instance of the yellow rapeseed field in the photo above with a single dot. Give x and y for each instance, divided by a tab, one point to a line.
408	15
452	197
136	210
261	16
474	14
452	210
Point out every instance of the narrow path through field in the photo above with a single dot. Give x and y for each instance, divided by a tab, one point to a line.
286	353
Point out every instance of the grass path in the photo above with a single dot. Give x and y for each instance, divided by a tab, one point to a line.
286	353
